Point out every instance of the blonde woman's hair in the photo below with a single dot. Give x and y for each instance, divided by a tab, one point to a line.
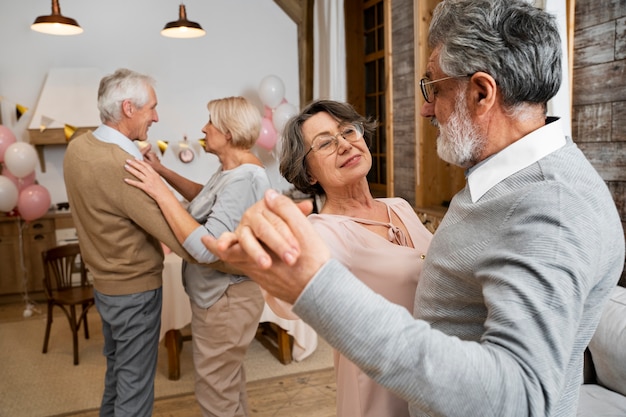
237	116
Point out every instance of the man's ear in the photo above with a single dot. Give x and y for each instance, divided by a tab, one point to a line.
127	108
483	92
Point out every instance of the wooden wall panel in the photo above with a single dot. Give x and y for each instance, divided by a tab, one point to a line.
600	83
592	122
592	12
620	38
608	158
618	124
404	111
599	92
594	45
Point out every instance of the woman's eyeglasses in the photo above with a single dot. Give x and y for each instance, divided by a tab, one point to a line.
328	144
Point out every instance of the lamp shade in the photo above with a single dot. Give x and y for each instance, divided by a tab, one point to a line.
56	24
182	28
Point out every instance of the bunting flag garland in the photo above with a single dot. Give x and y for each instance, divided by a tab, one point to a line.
69	131
20	110
45	122
162	146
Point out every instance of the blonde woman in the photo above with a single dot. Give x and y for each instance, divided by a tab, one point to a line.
226	307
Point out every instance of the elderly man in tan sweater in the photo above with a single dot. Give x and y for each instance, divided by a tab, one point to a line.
120	230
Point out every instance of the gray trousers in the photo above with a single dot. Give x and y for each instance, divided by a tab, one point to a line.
131	326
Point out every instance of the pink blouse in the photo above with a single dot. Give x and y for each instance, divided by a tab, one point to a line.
391	269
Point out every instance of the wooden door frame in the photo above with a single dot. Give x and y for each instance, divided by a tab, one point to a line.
301	12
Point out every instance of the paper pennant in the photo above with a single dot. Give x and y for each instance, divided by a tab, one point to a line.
69	131
162	145
20	110
44	123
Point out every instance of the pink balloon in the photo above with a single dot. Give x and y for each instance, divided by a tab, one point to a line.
20	183
33	202
268	114
7	138
267	137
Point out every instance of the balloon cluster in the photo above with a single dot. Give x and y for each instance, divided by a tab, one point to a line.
18	190
276	111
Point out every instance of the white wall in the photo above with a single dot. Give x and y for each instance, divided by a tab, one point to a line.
245	41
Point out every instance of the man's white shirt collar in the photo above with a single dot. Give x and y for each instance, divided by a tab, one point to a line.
107	134
515	157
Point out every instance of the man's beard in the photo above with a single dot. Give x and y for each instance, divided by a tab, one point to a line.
459	141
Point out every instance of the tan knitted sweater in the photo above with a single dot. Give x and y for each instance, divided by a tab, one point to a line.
119	226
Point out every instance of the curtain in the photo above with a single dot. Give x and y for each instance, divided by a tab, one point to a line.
329	72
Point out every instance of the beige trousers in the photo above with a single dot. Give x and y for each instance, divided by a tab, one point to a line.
221	335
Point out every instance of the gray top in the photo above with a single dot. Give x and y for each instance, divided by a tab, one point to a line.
511	292
218	208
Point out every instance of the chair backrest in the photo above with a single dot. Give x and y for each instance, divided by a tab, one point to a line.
60	263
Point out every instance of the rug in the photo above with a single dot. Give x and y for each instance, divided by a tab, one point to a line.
33	384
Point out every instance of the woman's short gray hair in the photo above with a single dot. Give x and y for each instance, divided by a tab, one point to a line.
293	166
513	41
123	84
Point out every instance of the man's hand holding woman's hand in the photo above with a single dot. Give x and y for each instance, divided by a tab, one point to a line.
275	245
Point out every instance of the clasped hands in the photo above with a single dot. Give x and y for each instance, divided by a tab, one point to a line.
275	245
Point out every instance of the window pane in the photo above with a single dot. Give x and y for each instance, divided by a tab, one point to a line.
370	107
370	42
380	67
375	85
370	78
369	18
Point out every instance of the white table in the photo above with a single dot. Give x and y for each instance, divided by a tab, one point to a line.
176	314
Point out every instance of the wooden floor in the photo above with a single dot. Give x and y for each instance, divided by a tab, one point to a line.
301	395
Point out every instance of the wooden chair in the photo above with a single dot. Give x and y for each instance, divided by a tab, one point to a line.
61	263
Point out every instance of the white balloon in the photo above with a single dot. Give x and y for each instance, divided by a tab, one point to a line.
271	91
21	159
8	194
282	114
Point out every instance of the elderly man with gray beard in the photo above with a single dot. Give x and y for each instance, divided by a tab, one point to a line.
521	266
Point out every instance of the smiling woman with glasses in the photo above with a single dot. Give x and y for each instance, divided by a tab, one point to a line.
325	153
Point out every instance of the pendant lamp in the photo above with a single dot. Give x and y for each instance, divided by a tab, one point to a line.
56	24
182	28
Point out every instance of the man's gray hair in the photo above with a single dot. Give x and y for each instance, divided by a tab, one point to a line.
511	40
123	84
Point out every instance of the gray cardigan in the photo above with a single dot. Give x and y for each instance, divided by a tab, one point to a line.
511	292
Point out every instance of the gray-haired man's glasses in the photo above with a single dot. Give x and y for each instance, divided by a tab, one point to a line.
426	86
